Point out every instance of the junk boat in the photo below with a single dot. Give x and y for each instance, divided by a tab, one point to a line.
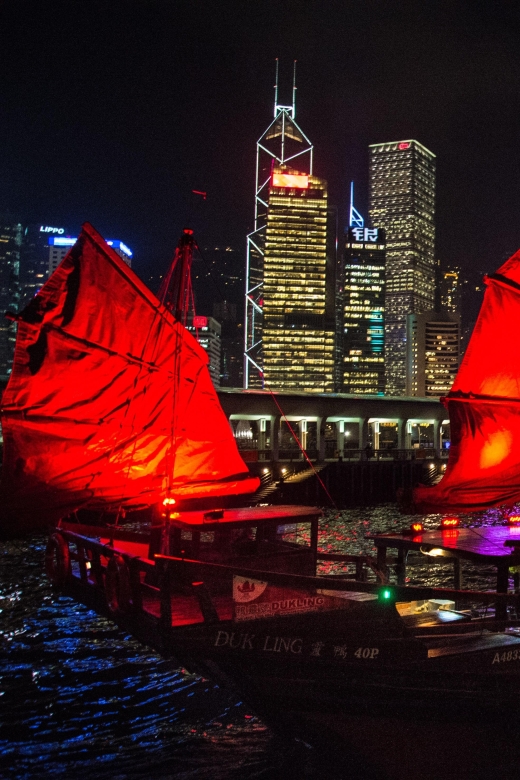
350	660
110	410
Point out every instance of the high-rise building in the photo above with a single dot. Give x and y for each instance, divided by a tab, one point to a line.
231	343
290	273
402	202
60	245
450	289
361	311
433	353
217	275
207	332
298	285
34	259
218	285
11	233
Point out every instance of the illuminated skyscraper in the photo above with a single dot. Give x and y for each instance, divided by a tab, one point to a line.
59	246
290	263
433	353
450	289
11	233
207	331
402	201
362	312
34	258
298	285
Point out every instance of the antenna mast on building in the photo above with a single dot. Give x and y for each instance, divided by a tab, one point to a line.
355	218
282	145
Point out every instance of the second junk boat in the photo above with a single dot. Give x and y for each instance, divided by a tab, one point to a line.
484	408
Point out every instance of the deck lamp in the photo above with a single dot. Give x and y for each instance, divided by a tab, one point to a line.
449	522
415	528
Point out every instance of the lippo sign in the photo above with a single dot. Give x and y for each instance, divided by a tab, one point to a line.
254	599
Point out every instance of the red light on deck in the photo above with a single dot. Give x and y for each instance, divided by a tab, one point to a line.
417	528
449	522
513	520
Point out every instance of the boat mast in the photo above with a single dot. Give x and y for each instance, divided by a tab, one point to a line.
176	290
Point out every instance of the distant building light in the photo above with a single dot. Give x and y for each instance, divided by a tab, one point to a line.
405	145
200	322
70	241
121	246
62	241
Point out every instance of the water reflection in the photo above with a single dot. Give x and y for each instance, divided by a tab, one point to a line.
79	698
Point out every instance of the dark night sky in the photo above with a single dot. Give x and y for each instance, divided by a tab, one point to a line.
113	111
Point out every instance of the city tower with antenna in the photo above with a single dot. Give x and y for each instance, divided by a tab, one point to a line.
290	272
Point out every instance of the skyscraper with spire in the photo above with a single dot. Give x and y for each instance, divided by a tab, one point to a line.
290	328
402	202
361	308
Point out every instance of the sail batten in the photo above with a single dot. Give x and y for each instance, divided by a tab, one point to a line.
110	404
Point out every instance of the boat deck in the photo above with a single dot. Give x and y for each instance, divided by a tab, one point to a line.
498	546
471	644
185	610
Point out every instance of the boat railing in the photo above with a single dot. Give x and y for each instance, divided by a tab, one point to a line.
180	591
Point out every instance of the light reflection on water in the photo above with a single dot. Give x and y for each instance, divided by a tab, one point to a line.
79	698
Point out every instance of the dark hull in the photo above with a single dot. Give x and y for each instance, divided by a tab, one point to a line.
394	723
355	679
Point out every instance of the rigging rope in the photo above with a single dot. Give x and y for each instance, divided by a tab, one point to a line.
297	440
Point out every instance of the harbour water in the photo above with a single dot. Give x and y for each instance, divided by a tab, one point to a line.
80	699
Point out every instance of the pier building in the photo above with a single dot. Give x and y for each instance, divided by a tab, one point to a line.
335	425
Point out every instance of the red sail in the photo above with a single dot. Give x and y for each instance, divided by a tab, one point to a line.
484	407
110	404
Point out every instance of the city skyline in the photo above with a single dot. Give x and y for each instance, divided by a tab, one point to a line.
118	123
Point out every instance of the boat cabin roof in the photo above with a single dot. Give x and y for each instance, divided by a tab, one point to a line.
482	545
245	517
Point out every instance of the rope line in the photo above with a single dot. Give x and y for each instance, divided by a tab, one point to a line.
297	440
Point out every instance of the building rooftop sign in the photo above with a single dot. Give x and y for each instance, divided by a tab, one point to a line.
54	230
296	181
71	240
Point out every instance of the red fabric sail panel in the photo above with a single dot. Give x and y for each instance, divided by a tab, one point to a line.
110	401
491	365
484	408
484	463
511	269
